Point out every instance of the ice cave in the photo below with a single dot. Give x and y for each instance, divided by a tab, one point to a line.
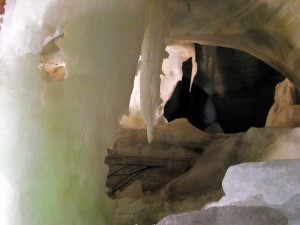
142	112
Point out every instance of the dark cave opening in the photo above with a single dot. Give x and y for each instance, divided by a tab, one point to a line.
231	88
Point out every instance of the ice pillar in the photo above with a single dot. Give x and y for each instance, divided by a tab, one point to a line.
54	136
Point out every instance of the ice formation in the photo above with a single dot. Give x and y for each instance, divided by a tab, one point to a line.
228	215
54	135
172	73
267	191
153	53
273	184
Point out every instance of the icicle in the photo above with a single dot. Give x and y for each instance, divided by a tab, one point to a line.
153	52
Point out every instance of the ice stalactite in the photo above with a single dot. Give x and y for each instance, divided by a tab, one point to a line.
153	53
172	74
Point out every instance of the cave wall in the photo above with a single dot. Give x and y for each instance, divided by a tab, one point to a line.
54	135
265	29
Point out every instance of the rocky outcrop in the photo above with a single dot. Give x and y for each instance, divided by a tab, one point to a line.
183	161
285	111
268	30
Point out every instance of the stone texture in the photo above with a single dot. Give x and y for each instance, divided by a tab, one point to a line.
268	30
285	111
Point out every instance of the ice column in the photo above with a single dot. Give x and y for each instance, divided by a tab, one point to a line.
54	136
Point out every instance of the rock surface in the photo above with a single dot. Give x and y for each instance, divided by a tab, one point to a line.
268	30
285	111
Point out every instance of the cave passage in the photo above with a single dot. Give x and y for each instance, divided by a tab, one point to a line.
231	87
195	105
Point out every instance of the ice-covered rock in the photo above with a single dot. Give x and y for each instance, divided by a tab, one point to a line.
255	193
275	181
228	215
274	184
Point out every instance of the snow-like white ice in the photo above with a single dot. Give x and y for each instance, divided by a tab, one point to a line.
255	193
274	181
228	215
274	184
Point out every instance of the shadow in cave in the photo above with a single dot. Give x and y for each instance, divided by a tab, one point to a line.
195	105
231	88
